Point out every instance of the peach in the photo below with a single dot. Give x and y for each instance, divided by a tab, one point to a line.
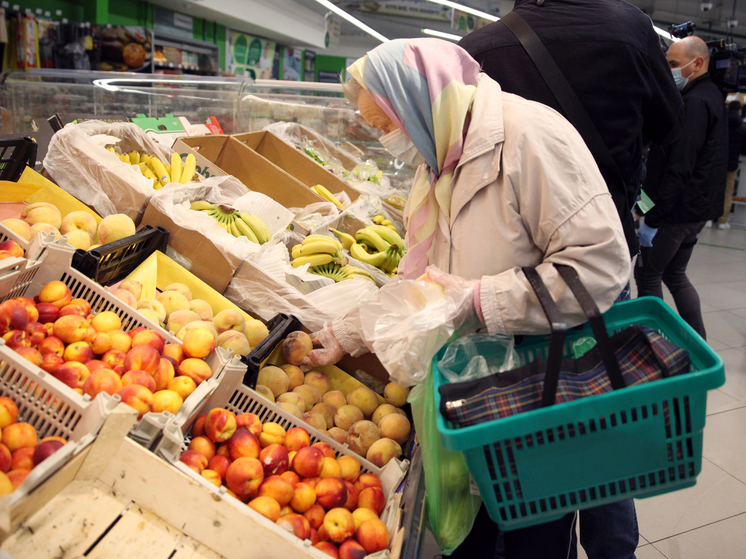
297	438
368	480
329	548
395	427
331	493
133	286
196	369
372	498
220	425
174	351
327	411
310	394
197	324
230	339
167	400
287	509
143	357
201	308
57	293
115	227
11	249
272	433
213	477
100	344
204	446
50	361
137	396
6	486
79	221
330	469
339	524
13	316
33	313
265	392
347	416
295	524
47	312
315	420
114	358
373	535
164	374
52	345
219	464
278	488
244	476
351	549
315	515
180	288
295	375
275	460
339	435
362	435
361	515
150	338
81	307
19	435
120	340
79	239
383	451
223	450
182	385
30	354
325	449
318	380
352	496
73	374
17	477
178	319
243	444
154	306
6	461
273	378
23	458
312	481
296	346
19	227
382	411
106	322
365	399
266	506
172	301
303	497
229	319
150	315
41	212
195	460
292	410
71	328
136	376
78	351
395	394
255	331
291	476
349	468
334	398
251	422
293	398
8	412
63	440
198	428
308	462
199	343
103	380
15	339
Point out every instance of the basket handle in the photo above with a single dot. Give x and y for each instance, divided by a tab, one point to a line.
559	330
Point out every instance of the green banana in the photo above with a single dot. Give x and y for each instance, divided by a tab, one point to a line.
199	205
346	239
371	238
359	253
257	226
313	260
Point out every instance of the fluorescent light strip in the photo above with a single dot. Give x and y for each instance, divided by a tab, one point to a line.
353	20
467	9
665	34
442	35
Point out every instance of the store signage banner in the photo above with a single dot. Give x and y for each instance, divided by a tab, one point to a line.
169	22
333	30
291	64
467	22
248	55
407	8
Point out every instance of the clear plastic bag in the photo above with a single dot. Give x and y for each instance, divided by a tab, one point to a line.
465	358
450	506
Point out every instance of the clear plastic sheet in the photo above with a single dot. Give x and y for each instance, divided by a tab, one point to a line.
464	358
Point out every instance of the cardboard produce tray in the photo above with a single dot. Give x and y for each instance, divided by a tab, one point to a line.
117	499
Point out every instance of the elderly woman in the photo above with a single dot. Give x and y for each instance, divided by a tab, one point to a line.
503	183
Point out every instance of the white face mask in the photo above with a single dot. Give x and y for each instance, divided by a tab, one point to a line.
680	80
401	147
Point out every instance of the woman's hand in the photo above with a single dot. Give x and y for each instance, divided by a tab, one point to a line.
465	293
330	352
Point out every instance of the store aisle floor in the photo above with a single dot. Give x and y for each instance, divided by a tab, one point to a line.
709	519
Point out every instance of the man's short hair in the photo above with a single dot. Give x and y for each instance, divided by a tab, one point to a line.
734	106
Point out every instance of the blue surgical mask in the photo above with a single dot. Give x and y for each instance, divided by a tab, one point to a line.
680	80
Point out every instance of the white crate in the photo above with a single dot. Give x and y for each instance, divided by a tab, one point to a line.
54	265
32	247
54	410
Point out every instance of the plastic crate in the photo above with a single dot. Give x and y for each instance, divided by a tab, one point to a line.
279	327
15	154
636	442
54	409
113	262
54	264
33	247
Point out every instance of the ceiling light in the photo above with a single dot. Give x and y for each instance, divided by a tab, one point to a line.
442	35
463	8
353	20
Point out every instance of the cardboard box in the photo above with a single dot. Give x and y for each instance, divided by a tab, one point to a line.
298	164
224	155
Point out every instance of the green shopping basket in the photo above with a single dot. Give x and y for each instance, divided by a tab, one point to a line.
638	441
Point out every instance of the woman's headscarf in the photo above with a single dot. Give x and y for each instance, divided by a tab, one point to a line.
426	87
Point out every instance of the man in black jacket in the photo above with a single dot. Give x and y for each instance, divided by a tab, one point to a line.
736	147
611	56
686	180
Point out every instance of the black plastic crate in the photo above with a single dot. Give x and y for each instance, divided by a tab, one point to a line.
15	154
113	262
279	327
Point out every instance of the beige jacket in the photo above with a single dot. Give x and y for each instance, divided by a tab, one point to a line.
527	192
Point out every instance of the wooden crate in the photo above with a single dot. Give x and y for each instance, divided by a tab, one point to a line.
117	499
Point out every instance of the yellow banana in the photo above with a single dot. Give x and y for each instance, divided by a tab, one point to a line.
187	172
257	226
159	170
391	237
134	157
324	193
313	260
378	219
146	158
386	222
244	229
372	238
359	253
175	167
168	171
295	252
346	239
199	205
316	237
233	228
124	158
316	247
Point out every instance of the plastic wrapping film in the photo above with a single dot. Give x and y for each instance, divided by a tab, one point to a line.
78	161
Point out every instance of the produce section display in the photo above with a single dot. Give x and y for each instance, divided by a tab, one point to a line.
161	173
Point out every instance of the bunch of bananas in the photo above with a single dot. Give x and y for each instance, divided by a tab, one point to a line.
318	250
396	201
379	246
326	195
159	172
341	273
238	224
381	219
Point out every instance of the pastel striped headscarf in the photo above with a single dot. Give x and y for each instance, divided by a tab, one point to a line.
426	87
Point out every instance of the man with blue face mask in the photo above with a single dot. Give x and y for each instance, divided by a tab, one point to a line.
686	180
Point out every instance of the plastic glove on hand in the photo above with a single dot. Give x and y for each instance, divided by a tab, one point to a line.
330	352
646	234
464	293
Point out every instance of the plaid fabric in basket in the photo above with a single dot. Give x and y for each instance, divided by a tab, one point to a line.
643	356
